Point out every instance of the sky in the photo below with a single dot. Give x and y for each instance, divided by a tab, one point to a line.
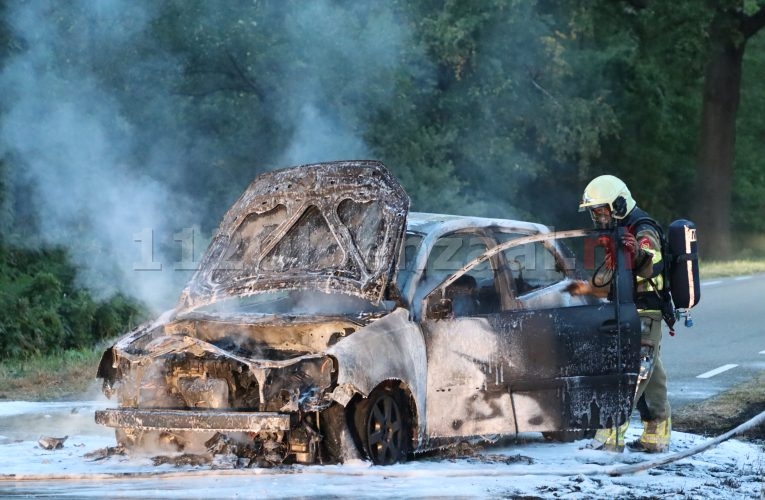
527	467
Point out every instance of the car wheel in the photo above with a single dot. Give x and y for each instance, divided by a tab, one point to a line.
333	424
382	424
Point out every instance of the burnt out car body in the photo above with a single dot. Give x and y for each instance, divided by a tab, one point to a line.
327	322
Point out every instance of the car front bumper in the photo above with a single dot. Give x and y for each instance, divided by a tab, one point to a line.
193	420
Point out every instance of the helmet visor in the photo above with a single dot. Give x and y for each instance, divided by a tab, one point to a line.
601	216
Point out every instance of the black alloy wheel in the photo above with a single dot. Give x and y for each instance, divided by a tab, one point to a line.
383	426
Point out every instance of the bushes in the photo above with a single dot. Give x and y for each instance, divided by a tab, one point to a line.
44	312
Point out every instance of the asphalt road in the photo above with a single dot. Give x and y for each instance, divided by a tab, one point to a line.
726	345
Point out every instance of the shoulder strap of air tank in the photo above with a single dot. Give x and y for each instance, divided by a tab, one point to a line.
638	217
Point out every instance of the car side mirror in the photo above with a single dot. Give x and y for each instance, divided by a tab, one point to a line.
440	309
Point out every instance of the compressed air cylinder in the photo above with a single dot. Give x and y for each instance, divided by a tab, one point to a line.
684	277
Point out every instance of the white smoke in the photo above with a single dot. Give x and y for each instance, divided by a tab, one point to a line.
349	64
317	139
67	138
65	133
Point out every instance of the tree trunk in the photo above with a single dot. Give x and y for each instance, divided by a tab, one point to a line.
722	88
716	149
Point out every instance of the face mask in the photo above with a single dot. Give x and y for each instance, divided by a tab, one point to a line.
601	217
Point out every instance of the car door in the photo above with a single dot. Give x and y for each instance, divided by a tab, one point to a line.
545	360
462	349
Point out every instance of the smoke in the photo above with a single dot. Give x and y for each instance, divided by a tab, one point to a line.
351	61
117	178
66	136
317	137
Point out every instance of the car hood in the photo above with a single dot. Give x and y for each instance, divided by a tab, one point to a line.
331	227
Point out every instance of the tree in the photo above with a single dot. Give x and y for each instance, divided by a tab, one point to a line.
505	111
641	60
676	92
734	23
748	200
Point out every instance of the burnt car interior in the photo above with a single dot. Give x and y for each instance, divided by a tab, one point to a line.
505	281
463	294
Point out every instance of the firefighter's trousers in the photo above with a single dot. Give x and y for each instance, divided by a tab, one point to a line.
651	398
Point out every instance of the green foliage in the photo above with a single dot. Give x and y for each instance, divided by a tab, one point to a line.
45	311
648	64
749	174
48	377
495	120
499	101
500	108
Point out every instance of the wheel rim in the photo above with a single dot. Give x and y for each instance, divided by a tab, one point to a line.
384	431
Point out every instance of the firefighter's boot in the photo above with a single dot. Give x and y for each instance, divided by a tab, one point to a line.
609	439
655	437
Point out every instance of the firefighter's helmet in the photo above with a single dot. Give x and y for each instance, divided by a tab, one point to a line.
608	190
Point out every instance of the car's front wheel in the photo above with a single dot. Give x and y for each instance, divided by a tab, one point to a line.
382	425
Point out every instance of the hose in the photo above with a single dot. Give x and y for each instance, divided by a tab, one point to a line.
649	464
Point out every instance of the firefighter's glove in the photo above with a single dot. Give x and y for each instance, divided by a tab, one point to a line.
579	287
629	243
610	262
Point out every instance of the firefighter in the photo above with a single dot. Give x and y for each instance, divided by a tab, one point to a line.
610	204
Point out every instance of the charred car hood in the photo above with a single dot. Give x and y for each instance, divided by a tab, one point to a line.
331	227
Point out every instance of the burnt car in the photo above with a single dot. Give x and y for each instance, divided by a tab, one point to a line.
327	322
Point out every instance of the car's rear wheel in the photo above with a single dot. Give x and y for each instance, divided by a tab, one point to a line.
382	426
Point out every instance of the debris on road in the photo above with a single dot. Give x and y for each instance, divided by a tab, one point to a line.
51	443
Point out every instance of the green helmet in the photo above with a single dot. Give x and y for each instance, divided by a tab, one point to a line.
608	190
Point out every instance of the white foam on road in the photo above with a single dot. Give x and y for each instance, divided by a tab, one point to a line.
527	467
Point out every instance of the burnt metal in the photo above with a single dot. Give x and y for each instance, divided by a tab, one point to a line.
328	226
189	420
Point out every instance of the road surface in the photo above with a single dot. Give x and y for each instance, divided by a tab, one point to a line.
726	345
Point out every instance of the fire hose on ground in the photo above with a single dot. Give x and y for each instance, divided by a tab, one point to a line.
619	470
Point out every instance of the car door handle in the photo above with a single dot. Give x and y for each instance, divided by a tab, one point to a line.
611	327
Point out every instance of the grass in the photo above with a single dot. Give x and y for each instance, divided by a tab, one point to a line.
720	269
724	411
47	378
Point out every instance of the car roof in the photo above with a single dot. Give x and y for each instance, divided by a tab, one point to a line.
431	227
430	223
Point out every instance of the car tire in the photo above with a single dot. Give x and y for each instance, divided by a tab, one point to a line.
382	426
333	423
